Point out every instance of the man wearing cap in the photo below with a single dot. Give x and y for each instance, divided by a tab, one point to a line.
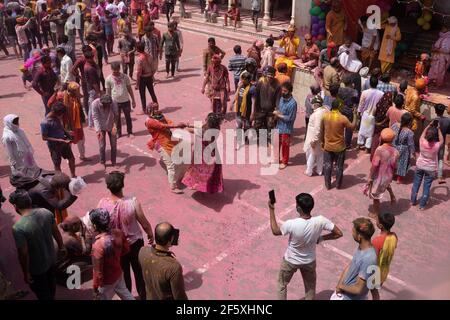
159	128
312	146
105	113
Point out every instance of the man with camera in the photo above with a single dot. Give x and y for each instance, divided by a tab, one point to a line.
163	274
304	234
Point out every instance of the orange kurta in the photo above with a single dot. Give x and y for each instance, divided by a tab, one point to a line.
336	24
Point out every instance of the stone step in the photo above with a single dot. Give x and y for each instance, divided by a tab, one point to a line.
211	31
243	29
245	22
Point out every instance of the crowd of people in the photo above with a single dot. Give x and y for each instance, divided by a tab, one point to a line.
351	98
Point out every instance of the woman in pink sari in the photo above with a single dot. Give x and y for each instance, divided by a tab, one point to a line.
207	177
154	10
440	58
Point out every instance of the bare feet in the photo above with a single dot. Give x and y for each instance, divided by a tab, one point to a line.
283	166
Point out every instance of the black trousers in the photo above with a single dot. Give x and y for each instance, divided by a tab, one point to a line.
171	62
126	108
44	285
329	158
132	259
146	82
169	10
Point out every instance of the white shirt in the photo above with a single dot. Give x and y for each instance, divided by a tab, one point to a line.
39	4
121	6
113	9
119	87
303	236
349	61
367	39
64	71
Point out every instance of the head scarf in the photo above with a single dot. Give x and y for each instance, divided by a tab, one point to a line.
387	135
421	84
12	134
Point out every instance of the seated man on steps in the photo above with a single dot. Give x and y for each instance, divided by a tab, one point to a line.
234	14
212	11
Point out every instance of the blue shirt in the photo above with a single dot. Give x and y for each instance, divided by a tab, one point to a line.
52	128
359	268
289	110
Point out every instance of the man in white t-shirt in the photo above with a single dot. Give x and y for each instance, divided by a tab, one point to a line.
118	86
304	234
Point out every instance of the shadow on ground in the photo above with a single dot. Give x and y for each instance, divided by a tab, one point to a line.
232	188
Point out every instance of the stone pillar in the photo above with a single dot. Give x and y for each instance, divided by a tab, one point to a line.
266	19
293	13
229	4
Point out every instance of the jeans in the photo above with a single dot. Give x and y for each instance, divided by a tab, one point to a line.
132	259
286	273
92	97
102	147
85	99
26	51
171	62
348	137
328	162
126	108
146	82
44	285
128	67
107	291
236	83
427	177
255	16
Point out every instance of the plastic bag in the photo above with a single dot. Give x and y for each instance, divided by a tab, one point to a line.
77	185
